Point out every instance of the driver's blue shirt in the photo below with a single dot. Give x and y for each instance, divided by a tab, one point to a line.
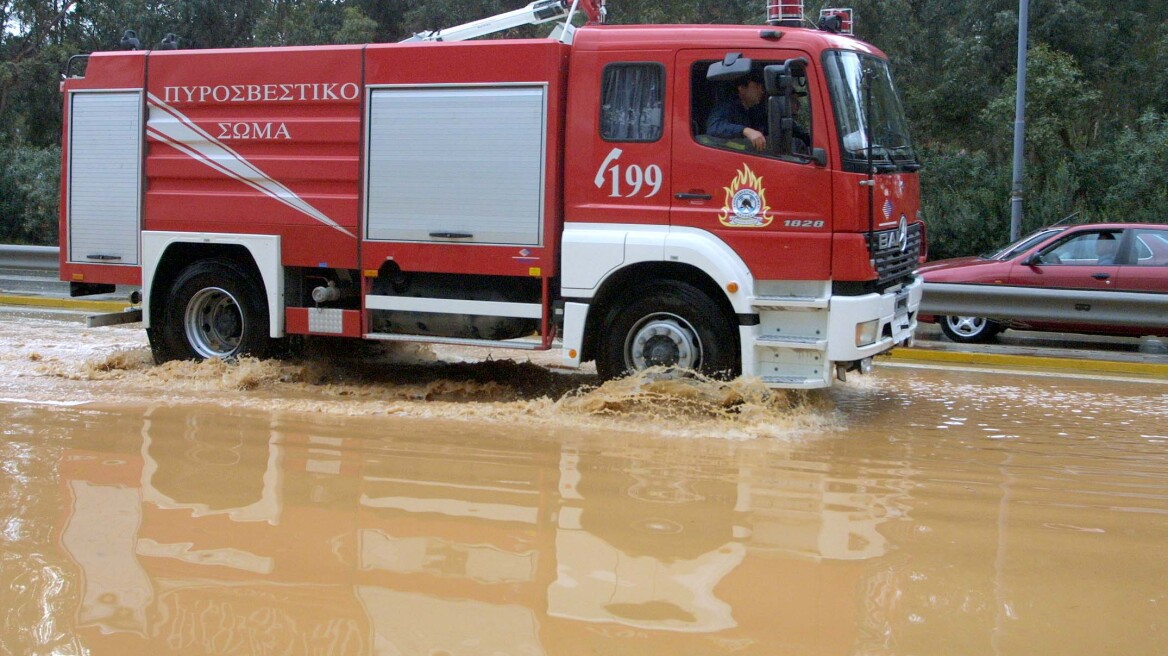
730	118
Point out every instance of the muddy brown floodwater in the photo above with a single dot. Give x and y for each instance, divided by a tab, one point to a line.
411	502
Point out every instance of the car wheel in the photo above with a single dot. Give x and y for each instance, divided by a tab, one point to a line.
969	330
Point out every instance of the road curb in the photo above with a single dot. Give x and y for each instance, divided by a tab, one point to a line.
1028	361
64	303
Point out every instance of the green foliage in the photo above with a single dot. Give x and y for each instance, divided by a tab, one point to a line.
1094	69
1131	173
429	15
308	22
29	190
1061	123
1061	110
355	27
1096	117
710	12
966	208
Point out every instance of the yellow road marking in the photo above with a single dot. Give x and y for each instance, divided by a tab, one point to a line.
1028	361
64	303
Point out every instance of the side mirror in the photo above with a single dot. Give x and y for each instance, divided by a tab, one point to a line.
732	67
780	78
780	124
780	87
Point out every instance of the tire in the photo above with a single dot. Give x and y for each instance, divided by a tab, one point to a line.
969	330
215	309
669	324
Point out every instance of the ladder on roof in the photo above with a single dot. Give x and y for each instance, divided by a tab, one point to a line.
540	11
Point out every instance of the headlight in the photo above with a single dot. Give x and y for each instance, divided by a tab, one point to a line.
866	332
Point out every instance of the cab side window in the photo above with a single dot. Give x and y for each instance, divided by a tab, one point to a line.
728	115
632	102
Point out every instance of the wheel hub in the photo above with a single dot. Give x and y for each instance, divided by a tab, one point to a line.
967	325
214	323
663	340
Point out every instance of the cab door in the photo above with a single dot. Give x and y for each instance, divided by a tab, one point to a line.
1081	259
774	211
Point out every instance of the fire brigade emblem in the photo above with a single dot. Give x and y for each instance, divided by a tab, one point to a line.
745	205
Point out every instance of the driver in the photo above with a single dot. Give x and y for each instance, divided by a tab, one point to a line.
1106	246
742	115
745	115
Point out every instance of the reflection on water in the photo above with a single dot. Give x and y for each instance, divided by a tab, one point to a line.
933	512
190	529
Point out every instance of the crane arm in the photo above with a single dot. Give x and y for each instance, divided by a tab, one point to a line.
540	11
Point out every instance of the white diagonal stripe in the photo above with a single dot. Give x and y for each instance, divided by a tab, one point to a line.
178	131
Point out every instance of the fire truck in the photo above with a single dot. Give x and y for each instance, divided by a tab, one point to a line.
510	193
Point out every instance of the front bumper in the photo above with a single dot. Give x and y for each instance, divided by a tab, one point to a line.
895	314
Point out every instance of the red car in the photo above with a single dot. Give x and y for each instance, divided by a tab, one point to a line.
1130	257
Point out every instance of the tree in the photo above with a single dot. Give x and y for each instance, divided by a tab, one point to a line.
29	45
1128	175
308	22
29	190
1096	109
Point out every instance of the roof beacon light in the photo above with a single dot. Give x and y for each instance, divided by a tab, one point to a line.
836	19
785	13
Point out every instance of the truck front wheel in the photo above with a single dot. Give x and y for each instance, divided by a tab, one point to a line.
215	309
671	324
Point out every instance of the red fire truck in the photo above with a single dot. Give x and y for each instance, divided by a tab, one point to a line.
507	193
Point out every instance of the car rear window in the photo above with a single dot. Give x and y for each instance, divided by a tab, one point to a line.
1151	247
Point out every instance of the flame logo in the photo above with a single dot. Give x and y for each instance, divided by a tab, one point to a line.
745	204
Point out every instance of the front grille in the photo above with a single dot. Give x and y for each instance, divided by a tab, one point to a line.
894	266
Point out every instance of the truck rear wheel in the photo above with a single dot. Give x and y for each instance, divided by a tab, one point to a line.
215	309
672	324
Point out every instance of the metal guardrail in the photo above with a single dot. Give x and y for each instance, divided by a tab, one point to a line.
990	301
1083	306
40	258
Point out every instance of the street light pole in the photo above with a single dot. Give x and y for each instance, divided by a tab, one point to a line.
1019	123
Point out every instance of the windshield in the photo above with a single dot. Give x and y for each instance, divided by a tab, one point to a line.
1021	245
859	82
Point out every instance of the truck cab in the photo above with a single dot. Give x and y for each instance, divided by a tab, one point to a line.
807	246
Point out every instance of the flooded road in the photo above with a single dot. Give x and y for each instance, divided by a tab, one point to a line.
403	502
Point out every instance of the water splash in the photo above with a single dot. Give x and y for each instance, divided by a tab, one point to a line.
412	380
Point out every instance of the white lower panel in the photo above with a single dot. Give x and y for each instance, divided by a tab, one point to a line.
264	250
575	317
